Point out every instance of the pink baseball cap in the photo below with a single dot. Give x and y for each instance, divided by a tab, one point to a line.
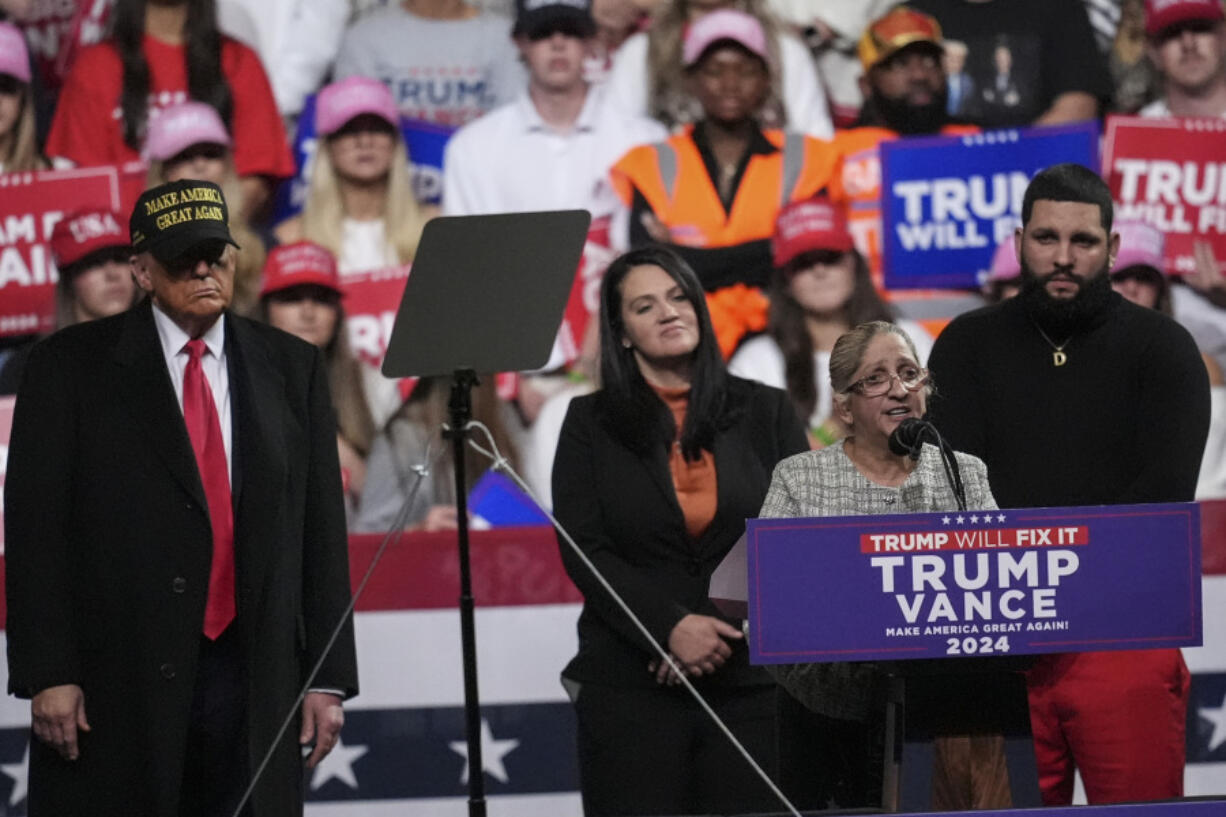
725	24
1005	266
86	231
1140	244
342	101
1160	14
805	226
14	56
299	264
180	126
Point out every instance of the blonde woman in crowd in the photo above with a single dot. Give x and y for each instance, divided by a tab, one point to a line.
189	141
360	203
18	144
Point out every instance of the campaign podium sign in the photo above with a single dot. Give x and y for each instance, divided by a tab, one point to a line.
947	201
1170	173
974	583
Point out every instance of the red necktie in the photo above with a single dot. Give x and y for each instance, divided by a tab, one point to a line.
204	429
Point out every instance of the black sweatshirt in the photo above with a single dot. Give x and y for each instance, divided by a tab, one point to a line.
1123	421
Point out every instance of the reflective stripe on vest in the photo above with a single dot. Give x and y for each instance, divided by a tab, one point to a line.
793	164
666	161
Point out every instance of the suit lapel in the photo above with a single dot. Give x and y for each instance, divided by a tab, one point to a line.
657	466
257	392
146	388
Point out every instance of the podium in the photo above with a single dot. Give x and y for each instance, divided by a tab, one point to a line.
955	605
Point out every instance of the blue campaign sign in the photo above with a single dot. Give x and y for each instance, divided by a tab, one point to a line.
947	201
1035	580
424	140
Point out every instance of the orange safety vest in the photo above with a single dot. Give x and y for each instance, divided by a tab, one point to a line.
672	178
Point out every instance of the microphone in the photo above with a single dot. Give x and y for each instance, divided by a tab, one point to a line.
907	439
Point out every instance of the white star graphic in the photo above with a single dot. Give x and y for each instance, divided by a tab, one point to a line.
974	519
20	774
339	764
1000	517
492	753
1217	717
944	520
960	519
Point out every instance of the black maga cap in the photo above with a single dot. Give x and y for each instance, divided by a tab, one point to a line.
172	218
570	16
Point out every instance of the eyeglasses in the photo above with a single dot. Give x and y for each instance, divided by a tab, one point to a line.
879	383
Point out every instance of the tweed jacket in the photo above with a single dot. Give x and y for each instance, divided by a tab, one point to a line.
826	483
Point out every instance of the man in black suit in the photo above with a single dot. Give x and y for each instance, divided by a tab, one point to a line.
176	542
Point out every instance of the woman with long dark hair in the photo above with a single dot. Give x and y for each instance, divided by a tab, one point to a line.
301	294
160	53
654	477
821	287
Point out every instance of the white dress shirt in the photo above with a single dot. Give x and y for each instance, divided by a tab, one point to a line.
213	363
512	161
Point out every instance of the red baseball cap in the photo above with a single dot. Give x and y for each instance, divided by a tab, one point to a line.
86	231
805	226
299	264
1160	14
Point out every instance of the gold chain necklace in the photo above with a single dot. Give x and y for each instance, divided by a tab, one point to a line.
1058	357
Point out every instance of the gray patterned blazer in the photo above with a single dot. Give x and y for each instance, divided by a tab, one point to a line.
826	483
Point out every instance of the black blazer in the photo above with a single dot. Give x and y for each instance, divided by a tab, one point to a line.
109	546
622	510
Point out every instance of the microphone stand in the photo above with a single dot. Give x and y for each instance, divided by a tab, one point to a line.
953	475
460	410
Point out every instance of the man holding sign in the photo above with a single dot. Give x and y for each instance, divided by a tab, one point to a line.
1073	396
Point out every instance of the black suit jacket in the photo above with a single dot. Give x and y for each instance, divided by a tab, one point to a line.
109	545
621	508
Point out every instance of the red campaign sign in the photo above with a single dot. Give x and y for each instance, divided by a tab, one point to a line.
372	298
584	300
1171	173
31	204
6	427
982	539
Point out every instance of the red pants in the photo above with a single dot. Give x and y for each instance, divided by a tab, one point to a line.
1117	717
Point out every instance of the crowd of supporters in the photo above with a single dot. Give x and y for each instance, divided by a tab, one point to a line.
742	133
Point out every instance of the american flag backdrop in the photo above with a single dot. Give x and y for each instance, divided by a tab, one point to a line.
403	749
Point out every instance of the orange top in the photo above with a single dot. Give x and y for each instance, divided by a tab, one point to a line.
694	481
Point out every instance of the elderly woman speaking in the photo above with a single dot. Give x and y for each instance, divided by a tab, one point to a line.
877	383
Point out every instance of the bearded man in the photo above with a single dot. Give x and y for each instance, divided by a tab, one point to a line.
905	95
1074	396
